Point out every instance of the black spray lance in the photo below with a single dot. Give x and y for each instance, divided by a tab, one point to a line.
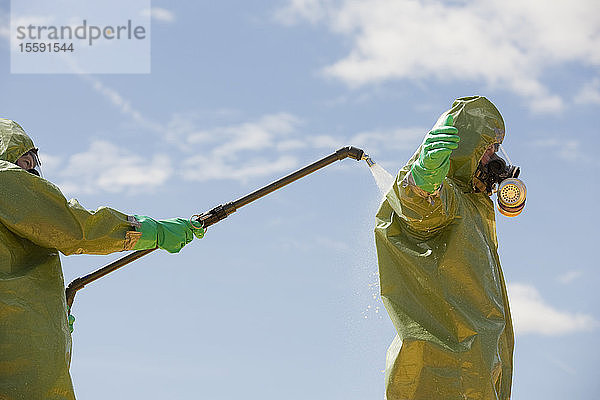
221	212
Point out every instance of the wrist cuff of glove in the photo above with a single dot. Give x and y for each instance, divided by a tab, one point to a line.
149	230
197	229
422	178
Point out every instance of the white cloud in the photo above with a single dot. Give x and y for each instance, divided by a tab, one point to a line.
241	151
264	146
310	10
120	102
292	144
563	366
532	315
159	14
237	152
50	163
267	146
107	167
504	43
589	93
380	141
204	168
259	135
569	276
566	149
546	104
255	148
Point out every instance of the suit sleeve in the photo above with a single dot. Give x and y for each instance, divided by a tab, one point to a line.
422	212
35	209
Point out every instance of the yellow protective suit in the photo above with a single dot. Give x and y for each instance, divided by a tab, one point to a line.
36	222
440	276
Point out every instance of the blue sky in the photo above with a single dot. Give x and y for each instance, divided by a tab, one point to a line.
281	299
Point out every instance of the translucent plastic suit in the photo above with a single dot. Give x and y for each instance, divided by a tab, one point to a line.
440	276
36	222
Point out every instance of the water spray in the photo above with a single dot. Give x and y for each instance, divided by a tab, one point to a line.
221	212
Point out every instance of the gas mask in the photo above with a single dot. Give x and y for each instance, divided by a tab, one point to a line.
498	177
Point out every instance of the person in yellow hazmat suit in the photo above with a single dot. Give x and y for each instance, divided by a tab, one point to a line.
36	223
440	274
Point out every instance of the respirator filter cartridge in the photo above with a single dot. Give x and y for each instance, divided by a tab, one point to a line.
512	194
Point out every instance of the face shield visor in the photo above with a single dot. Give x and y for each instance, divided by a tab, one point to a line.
497	175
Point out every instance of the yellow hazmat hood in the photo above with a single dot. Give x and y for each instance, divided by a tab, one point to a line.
14	142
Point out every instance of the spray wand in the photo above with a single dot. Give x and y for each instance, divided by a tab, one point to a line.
221	212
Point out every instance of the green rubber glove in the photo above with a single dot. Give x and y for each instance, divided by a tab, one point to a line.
167	234
433	164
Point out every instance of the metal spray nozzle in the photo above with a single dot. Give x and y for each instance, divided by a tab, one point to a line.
368	159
